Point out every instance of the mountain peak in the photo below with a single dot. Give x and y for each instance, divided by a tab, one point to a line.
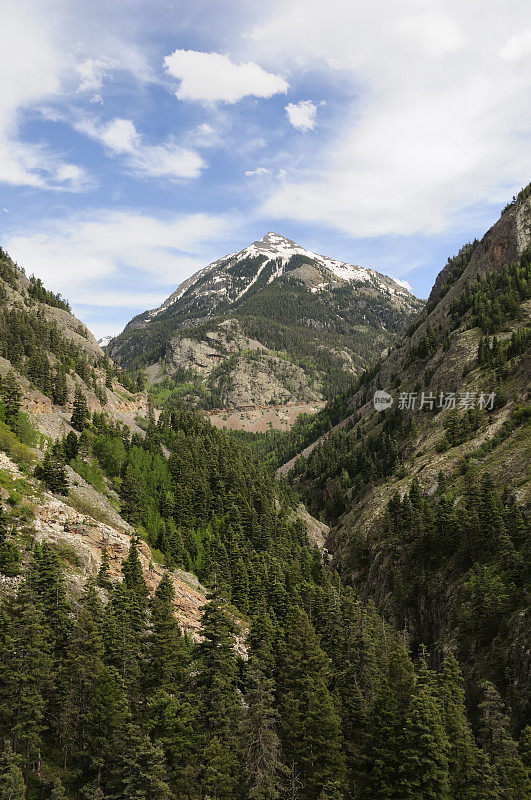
275	243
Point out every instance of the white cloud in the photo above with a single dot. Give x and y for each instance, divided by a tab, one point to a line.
213	77
302	115
204	135
120	136
92	72
403	283
48	57
167	160
31	71
85	256
434	116
518	48
257	171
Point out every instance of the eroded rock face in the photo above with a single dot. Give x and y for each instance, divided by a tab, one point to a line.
242	371
84	538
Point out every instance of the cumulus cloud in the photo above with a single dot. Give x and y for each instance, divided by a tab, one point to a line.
302	115
213	78
167	160
435	118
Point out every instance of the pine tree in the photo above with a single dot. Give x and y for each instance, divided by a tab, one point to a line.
137	770
47	583
59	387
103	577
52	473
9	553
80	669
423	773
70	446
495	736
311	731
382	753
471	775
167	651
25	673
265	775
80	412
12	785
133	572
240	587
11	398
219	707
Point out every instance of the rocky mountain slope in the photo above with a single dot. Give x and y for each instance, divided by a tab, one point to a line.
429	497
270	331
50	354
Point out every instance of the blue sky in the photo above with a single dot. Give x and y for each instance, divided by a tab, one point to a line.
141	140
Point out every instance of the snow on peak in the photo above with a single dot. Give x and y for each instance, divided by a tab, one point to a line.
217	278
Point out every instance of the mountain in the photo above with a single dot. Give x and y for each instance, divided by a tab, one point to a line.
266	333
429	494
123	527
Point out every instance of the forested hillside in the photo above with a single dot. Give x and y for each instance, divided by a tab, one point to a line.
293	687
429	500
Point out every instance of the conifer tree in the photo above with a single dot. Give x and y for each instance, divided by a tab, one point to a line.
471	775
80	412
423	773
240	587
311	730
11	398
25	673
47	583
103	577
9	553
52	473
70	446
133	572
496	738
12	785
382	753
219	707
167	651
80	669
265	774
137	769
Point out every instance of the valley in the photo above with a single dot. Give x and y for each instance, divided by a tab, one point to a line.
324	596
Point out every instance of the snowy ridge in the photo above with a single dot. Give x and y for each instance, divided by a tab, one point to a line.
221	280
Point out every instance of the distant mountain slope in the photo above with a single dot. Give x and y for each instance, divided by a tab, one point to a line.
272	325
430	503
